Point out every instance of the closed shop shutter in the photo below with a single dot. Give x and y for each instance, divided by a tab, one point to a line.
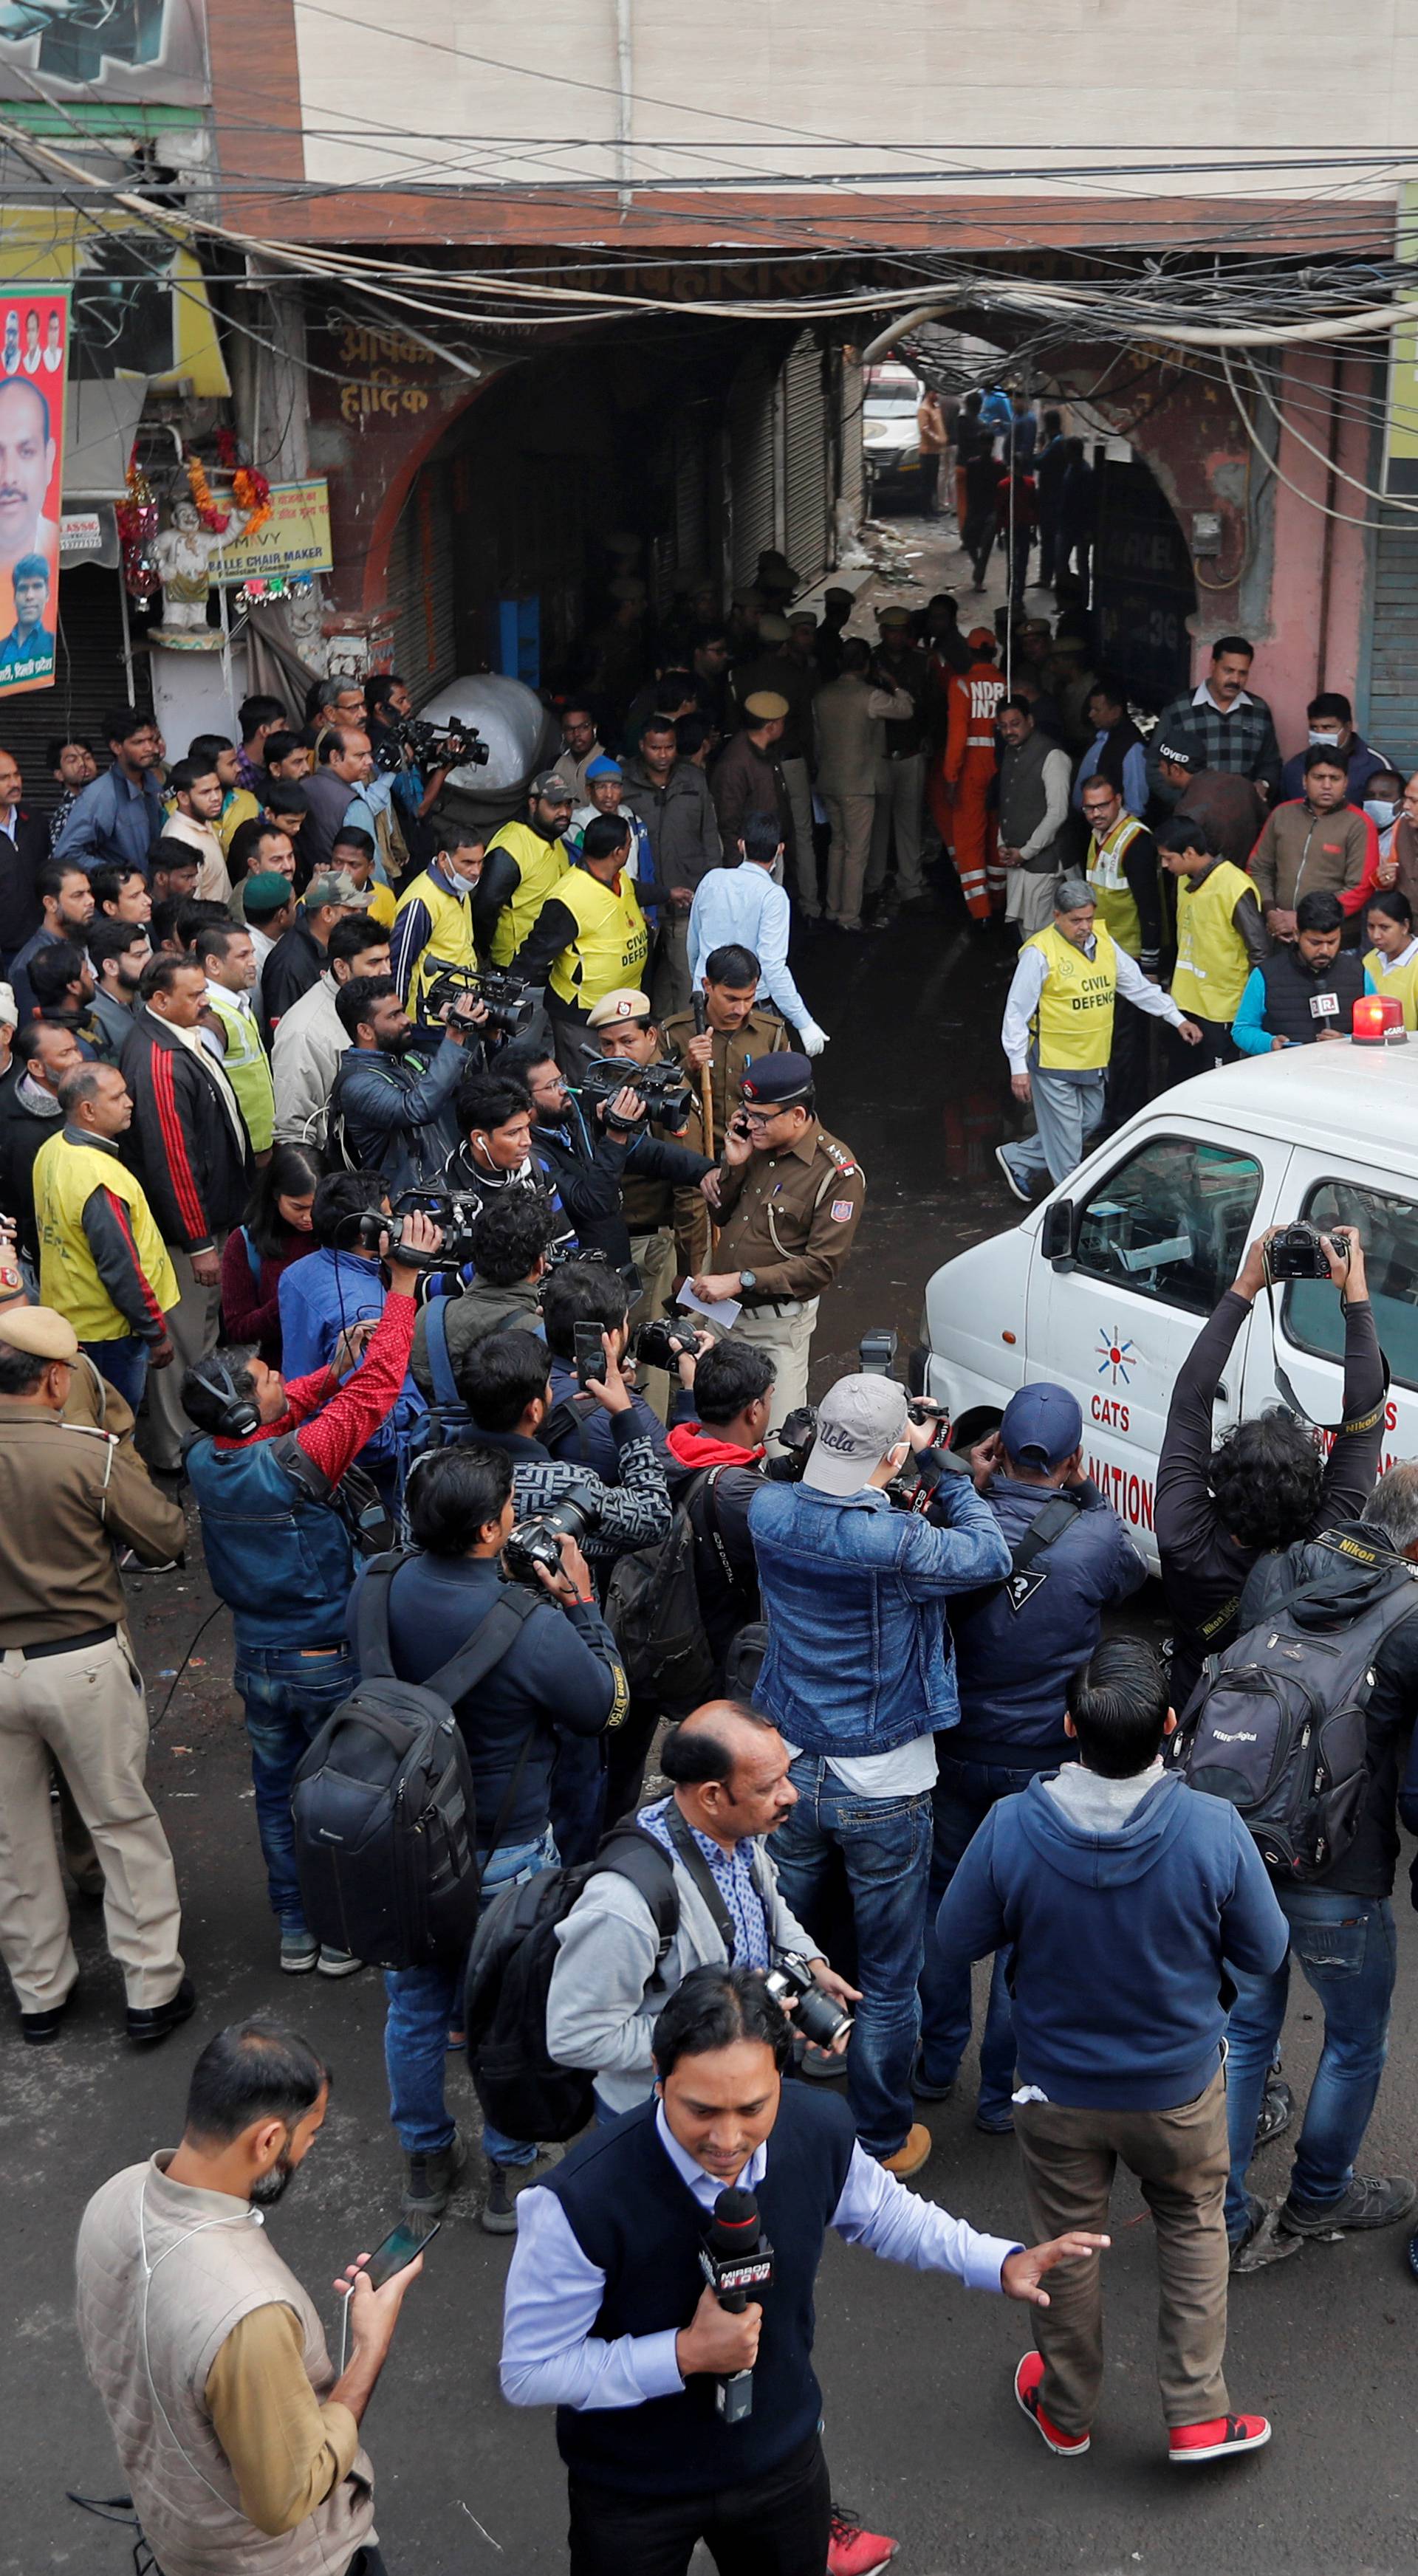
89	679
1393	683
421	585
752	443
1144	589
853	392
805	457
691	468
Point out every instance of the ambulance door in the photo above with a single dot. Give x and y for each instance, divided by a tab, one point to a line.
1329	1190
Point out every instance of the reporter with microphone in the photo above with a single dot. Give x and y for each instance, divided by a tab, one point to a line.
626	2255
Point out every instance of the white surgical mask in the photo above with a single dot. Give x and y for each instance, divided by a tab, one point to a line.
1380	810
1324	737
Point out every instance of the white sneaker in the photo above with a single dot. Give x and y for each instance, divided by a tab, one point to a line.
1012	1181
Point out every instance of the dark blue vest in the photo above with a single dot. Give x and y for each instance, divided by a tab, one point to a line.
1291	986
639	2223
279	1556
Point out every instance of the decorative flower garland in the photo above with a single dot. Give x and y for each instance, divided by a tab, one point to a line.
211	517
250	489
137	517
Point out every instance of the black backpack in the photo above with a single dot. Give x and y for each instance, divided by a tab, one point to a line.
652	1610
383	1806
1276	1725
509	1972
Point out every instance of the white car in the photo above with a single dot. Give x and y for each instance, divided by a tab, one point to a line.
891	444
1105	1284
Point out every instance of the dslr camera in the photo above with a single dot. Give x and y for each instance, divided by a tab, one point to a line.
450	746
662	1087
1296	1252
662	1343
818	2016
875	1352
796	1435
533	1542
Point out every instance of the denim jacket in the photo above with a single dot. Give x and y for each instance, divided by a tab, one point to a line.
859	1655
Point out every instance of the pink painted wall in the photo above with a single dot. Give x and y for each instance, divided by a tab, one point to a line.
1316	560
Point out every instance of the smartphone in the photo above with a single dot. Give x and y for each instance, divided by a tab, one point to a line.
394	2255
590	1353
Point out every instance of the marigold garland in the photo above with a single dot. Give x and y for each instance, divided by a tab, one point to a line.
201	490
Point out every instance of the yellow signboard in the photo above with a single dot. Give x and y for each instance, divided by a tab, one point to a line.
295	538
1401	445
139	298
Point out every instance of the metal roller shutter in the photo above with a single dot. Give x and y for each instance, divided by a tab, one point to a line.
691	468
1393	682
421	585
89	678
805	459
752	445
853	392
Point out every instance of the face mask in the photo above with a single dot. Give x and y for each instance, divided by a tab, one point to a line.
1380	810
1325	737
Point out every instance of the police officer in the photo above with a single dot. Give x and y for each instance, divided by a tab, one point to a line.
790	1199
623	1027
70	1690
521	864
589	939
736	1030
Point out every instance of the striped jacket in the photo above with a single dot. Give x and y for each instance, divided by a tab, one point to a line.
182	1143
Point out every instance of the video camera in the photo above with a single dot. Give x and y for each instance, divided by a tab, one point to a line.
504	997
533	1542
1296	1252
875	1352
662	1087
450	746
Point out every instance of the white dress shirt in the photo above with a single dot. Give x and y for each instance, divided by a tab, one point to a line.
1029	979
742	907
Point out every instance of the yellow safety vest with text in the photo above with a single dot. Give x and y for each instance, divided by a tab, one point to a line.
1073	1024
1213	968
450	938
541	865
247	1069
1117	904
1400	982
612	941
65	1178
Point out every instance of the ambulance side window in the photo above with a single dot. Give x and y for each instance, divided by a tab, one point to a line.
1389	1227
1172	1222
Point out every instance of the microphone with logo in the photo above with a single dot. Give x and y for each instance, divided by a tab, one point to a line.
737	2261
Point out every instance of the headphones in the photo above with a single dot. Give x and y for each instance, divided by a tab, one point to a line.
239	1416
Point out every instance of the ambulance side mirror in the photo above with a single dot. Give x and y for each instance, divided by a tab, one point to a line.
1056	1233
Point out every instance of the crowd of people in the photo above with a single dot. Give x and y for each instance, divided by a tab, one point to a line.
434	1221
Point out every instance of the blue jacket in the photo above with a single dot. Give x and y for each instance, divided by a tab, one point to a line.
593	1443
398	1116
278	1552
1363	763
110	819
1013	1666
859	1657
1121	1939
339	1289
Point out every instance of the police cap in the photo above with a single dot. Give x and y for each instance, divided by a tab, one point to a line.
777	1081
614	1010
764	705
40	1331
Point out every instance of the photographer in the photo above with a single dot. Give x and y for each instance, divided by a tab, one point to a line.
433	920
266	1471
1265	1485
561	1678
628	1033
731	1390
509	1243
859	1673
589	1292
504	1381
522	1130
728	1767
339	1285
393	1100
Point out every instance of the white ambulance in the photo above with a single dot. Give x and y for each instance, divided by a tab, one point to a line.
1105	1284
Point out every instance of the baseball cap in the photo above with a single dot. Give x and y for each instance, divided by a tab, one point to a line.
40	1331
1181	754
550	784
979	637
776	1081
764	705
266	892
332	885
626	1003
1042	1425
603	767
858	1420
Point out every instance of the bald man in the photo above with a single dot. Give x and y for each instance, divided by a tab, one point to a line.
729	1769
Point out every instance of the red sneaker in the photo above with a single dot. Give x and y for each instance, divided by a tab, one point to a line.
1027	2379
854	2552
1218	2440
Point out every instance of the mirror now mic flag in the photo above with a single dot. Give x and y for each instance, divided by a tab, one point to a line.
34	356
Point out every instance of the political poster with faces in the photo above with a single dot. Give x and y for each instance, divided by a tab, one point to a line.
34	351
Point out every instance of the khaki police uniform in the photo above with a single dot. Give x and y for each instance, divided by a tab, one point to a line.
789	1216
763	1033
71	1690
649	1206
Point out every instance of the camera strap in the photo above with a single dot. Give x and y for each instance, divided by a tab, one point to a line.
687	1850
1369	1421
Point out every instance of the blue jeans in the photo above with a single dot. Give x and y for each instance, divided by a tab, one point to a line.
885	1844
1347	1953
962	1798
124	1363
422	2006
289	1692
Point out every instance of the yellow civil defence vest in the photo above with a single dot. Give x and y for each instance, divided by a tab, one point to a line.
65	1178
1073	1025
612	942
541	865
1213	968
450	938
1117	904
247	1069
1401	983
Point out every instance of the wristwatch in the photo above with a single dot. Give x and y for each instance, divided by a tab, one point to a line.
748	1280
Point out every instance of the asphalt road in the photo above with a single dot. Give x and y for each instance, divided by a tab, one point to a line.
922	2431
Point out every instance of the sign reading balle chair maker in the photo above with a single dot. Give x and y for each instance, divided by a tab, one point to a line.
34	350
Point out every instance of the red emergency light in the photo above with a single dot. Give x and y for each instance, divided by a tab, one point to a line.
1378	1020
